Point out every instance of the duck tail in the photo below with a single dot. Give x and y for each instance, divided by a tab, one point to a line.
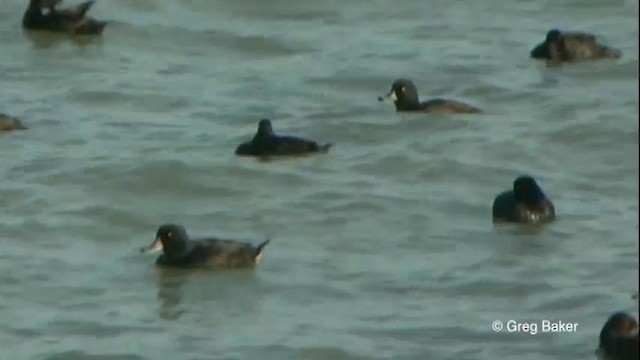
18	125
82	9
325	148
468	109
612	53
260	247
101	24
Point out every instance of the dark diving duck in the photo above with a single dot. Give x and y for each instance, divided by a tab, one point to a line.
267	144
526	203
8	123
179	251
404	95
560	47
619	338
44	15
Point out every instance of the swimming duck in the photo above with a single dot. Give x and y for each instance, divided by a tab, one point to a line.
265	143
179	251
8	123
619	338
405	97
561	47
71	20
526	203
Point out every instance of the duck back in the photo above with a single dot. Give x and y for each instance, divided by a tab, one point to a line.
448	106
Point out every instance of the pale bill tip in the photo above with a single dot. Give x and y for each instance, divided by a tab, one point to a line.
155	247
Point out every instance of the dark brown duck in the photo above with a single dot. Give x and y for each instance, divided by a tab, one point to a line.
266	143
526	203
619	338
564	46
179	251
45	15
8	123
404	95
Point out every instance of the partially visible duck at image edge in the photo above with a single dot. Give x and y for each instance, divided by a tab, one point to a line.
8	123
525	203
70	20
179	251
404	95
619	338
266	143
563	46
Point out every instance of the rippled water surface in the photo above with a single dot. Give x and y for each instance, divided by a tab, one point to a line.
382	249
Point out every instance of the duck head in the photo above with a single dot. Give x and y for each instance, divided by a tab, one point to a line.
403	93
526	190
264	128
170	239
619	337
553	36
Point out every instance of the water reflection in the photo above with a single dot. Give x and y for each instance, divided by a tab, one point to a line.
237	291
48	40
523	239
170	284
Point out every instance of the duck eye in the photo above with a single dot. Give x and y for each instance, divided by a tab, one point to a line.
403	89
169	234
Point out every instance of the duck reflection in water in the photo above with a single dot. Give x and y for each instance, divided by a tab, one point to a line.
170	284
181	291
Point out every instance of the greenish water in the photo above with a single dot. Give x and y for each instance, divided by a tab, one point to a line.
382	249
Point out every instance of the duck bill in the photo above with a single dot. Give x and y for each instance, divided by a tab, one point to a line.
391	95
154	247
